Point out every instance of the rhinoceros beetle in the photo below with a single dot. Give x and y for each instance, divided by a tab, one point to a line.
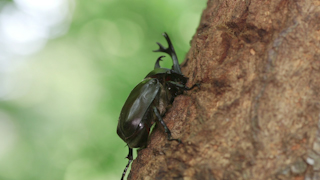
148	101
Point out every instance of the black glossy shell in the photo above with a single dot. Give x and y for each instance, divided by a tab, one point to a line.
132	126
158	71
168	75
149	101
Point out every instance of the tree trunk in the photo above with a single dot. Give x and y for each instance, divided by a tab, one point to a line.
257	113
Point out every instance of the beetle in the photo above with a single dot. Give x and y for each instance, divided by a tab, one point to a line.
149	101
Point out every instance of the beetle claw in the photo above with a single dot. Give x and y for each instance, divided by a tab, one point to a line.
171	139
178	140
193	86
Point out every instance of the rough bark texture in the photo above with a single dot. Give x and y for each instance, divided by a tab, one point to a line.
257	114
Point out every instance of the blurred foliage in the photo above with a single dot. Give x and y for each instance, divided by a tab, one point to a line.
62	124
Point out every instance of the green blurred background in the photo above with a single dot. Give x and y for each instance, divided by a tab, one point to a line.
66	69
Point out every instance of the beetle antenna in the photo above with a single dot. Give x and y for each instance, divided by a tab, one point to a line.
170	50
157	65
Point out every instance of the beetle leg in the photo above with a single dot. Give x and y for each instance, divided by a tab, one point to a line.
183	86
170	50
166	129
130	157
157	65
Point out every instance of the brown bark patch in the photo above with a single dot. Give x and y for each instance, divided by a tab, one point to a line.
257	113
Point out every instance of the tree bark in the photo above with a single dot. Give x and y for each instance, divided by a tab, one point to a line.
257	113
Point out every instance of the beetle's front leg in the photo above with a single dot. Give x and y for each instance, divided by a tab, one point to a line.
183	86
130	157
166	129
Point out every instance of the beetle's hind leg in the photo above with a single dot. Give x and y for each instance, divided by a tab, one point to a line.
166	129
130	157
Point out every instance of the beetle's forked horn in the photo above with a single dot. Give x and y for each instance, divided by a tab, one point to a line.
171	52
157	65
